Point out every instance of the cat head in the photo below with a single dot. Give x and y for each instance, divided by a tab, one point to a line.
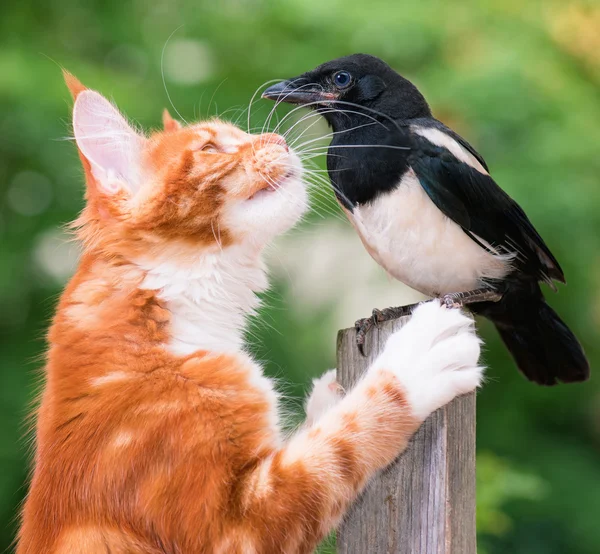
184	189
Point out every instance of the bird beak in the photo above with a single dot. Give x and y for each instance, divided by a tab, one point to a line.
295	92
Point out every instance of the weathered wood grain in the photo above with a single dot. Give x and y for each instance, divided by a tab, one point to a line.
424	503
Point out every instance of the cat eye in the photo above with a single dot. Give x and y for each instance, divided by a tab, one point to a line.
209	148
342	79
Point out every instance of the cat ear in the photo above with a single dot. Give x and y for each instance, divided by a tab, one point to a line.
170	124
73	84
107	142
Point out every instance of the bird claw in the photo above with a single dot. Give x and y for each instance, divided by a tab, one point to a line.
451	302
363	326
377	316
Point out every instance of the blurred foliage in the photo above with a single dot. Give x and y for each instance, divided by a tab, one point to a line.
520	80
499	483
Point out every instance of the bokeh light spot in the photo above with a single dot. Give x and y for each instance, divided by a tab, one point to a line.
30	193
188	62
56	255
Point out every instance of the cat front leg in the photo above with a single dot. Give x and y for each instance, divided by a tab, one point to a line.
299	493
325	394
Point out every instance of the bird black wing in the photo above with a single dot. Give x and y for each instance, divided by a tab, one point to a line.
474	201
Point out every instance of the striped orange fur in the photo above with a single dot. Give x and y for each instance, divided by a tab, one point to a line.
157	432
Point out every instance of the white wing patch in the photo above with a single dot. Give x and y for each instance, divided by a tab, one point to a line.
439	138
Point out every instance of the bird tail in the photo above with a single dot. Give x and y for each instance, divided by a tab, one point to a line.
543	347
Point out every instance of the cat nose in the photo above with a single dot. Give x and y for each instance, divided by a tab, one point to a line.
273	138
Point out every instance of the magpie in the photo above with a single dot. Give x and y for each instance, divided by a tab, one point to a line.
427	210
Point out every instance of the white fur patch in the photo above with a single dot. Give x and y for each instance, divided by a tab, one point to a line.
270	213
267	388
122	438
313	451
261	485
239	542
326	393
435	357
209	298
416	243
112	377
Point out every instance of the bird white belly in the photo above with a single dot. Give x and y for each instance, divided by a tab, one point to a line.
416	243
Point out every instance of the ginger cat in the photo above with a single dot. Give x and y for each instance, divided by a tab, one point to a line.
157	432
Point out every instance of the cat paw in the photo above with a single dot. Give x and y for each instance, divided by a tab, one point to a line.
434	356
326	393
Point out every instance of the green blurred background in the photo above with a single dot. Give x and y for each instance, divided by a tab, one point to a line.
520	80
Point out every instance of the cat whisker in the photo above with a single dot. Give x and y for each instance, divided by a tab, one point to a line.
234	109
329	110
320	198
281	190
282	99
371	110
162	73
310	114
390	146
252	99
328	135
217	239
212	97
321	180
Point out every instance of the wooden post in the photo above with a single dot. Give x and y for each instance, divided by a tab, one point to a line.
424	503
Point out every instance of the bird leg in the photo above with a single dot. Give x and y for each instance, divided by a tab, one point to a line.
452	300
460	299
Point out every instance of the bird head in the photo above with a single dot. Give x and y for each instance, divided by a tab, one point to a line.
359	82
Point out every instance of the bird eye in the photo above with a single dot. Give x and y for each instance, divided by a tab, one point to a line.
342	79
